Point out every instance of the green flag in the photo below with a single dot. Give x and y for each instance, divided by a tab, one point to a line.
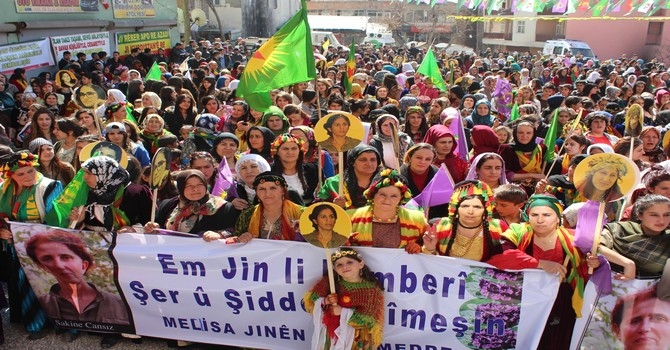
154	73
348	79
550	140
129	113
285	59
430	69
74	195
514	114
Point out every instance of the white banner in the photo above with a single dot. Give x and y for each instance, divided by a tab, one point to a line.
251	294
86	43
28	55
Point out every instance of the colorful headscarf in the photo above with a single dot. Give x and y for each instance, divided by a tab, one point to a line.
470	188
543	200
285	138
207	121
9	163
389	177
207	205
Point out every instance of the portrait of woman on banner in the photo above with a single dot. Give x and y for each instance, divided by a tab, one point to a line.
66	257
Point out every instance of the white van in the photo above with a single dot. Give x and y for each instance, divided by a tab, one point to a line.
318	38
561	46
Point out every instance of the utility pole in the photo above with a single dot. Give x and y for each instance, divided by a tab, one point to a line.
187	20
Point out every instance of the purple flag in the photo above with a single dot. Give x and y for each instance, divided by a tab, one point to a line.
587	222
560	7
503	97
437	191
224	178
456	128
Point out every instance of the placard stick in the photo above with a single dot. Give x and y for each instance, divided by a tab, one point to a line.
331	276
340	169
599	229
73	224
319	152
153	204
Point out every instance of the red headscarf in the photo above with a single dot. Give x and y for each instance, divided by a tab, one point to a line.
484	140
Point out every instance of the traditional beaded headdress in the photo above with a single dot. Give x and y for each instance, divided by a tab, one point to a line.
10	163
469	188
389	177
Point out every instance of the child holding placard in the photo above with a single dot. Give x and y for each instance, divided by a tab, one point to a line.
352	317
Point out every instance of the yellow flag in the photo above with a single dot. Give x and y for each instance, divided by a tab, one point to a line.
325	45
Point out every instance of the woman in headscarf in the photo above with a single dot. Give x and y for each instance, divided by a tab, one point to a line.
259	139
25	195
469	232
385	222
544	243
485	140
113	96
530	156
651	143
390	142
195	210
419	170
481	115
275	120
440	137
242	193
203	134
363	163
416	124
225	147
488	168
154	128
106	181
274	217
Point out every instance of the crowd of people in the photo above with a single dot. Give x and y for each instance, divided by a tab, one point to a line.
510	206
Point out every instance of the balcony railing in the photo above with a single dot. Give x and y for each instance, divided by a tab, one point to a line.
545	37
503	36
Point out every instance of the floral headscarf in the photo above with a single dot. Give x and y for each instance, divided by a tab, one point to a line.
110	178
285	138
389	177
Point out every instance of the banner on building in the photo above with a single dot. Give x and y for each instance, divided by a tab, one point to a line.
27	55
250	294
86	43
52	6
153	39
630	317
134	9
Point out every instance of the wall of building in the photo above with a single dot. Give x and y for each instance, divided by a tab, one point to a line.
262	18
39	25
611	39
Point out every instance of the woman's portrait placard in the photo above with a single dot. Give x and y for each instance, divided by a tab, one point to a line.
160	167
325	225
65	79
104	148
72	275
634	121
90	96
339	132
606	177
666	140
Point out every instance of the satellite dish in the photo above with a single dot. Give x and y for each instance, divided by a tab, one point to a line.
198	17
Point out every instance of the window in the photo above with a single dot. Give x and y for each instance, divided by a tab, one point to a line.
521	27
217	2
560	29
654	33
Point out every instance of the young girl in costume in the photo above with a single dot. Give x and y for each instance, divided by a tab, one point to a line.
353	317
